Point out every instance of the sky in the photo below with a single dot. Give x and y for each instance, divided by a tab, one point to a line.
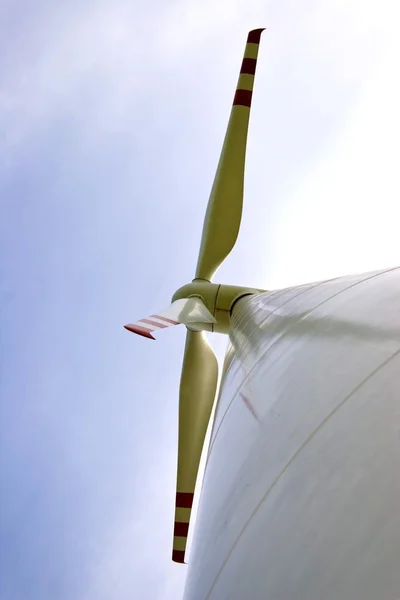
112	116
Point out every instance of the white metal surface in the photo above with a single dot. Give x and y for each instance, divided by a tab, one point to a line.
301	495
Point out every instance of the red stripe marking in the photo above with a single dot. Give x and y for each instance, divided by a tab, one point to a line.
181	529
178	556
242	98
249	66
184	499
166	319
154	323
140	331
255	36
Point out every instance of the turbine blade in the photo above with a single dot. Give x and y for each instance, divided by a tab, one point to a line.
185	310
196	397
224	210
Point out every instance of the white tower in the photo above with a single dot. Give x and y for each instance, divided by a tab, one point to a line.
301	495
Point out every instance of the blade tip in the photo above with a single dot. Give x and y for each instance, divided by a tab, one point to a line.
139	331
178	556
254	35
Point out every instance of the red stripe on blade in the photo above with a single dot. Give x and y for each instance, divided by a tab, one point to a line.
255	36
242	98
178	556
181	529
184	500
166	319
154	323
249	66
140	331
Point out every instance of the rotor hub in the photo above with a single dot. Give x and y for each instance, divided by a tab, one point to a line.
218	298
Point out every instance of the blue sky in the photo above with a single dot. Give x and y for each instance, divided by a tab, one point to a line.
111	123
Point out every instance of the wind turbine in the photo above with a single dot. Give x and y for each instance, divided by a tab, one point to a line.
205	306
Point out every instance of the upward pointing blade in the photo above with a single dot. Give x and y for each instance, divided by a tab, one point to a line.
224	210
196	398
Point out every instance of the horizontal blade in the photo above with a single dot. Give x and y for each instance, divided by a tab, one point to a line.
196	397
224	210
185	310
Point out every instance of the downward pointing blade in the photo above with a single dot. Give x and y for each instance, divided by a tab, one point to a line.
196	398
224	210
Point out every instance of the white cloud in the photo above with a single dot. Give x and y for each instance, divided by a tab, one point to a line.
341	214
99	61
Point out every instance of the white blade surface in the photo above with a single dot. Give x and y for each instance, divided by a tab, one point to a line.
186	311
